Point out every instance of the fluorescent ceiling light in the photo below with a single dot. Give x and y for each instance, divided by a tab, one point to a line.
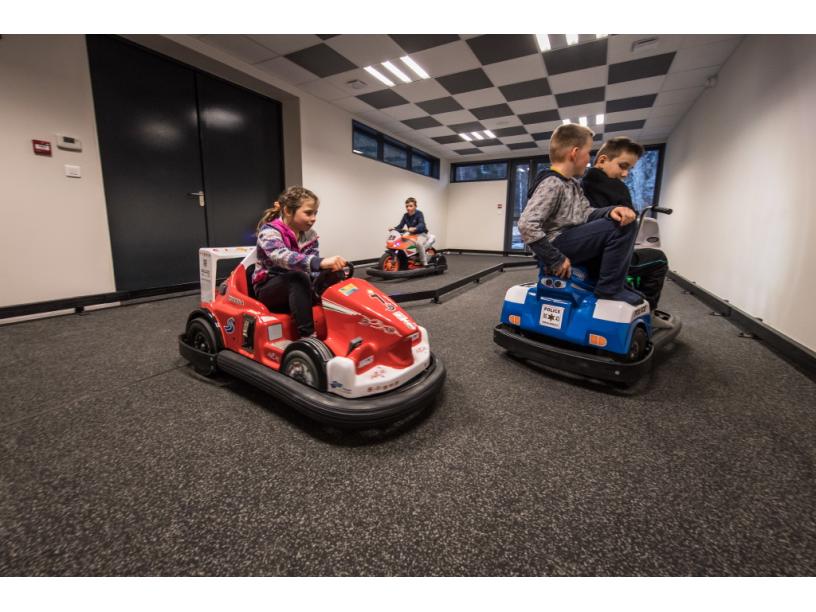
397	72
543	42
566	122
377	75
489	134
477	136
572	39
582	121
466	137
599	119
356	151
415	67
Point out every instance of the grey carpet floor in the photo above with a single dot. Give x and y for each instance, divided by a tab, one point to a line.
115	459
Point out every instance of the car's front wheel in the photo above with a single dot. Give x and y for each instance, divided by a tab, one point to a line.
305	362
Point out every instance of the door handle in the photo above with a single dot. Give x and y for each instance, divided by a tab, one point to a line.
199	195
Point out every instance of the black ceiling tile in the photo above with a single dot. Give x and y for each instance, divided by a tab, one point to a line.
412	43
492	48
440	105
510	131
322	60
657	65
326	36
487	142
522	145
576	98
624	126
625	104
447	139
540	116
490	112
467	151
383	99
470	126
469	80
421	123
576	57
542	135
528	89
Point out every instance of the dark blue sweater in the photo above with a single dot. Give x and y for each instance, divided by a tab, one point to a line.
417	220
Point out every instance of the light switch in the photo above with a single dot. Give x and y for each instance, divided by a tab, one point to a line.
72	171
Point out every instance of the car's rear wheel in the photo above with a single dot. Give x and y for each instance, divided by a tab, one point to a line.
200	336
638	345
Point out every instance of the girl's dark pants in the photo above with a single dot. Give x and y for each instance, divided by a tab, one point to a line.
289	292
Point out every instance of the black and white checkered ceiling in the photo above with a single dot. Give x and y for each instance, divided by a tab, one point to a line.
641	85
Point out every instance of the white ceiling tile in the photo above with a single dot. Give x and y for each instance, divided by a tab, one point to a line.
513	139
500	122
480	97
447	59
661	123
439	130
700	56
286	70
283	44
691	40
460	116
422	90
533	105
689	78
324	90
342	80
631	115
668	110
518	70
494	149
578	80
630	89
678	96
547	126
353	105
404	111
242	47
619	47
368	49
584	110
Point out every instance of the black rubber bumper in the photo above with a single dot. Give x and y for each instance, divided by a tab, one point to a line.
570	360
328	408
427	271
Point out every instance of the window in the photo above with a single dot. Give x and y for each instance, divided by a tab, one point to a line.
642	180
492	171
421	164
364	143
395	155
369	142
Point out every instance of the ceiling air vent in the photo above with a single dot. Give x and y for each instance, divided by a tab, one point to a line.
357	84
645	44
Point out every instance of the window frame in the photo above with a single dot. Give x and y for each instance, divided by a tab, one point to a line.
383	139
505	161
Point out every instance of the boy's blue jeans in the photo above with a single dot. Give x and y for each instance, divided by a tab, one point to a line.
603	246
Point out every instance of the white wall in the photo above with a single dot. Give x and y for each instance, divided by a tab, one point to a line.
360	197
474	219
54	239
738	178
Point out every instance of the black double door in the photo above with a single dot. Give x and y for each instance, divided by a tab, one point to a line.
188	161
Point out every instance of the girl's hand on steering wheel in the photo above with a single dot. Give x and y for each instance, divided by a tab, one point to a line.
335	263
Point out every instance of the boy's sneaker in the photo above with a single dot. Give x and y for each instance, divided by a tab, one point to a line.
660	320
624	295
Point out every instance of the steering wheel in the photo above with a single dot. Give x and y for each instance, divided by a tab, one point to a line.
327	278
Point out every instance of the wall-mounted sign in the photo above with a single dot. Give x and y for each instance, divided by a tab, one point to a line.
41	147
